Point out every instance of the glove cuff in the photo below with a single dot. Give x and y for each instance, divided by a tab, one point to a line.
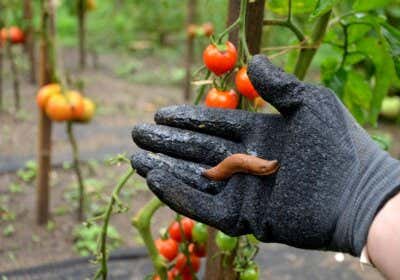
380	182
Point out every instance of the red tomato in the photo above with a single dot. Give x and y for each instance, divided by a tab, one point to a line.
168	248
182	266
222	99
199	250
187	226
16	35
220	61
187	276
243	84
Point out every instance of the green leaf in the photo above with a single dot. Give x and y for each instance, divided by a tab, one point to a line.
337	82
298	6
392	36
322	7
367	5
384	73
358	90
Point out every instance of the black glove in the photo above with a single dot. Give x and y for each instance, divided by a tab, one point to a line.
332	179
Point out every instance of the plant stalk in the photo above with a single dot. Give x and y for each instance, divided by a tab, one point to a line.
307	54
142	222
77	169
103	271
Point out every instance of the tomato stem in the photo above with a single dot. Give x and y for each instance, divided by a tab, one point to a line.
202	89
142	222
102	246
77	169
228	30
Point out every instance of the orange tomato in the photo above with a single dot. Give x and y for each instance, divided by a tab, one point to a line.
16	35
89	108
244	85
222	99
58	108
76	103
167	248
45	93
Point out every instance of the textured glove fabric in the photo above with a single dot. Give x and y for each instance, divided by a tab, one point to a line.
332	179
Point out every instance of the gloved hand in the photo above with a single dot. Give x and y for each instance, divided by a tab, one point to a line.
332	179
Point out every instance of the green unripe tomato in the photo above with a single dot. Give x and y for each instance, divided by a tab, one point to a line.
250	273
200	233
225	242
391	107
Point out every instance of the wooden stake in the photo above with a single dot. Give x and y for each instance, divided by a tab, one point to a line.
30	40
191	19
254	21
47	75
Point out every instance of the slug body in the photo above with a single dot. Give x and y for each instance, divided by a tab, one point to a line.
241	163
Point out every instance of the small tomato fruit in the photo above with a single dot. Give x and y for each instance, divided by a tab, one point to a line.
58	108
168	248
45	93
183	266
75	100
89	109
225	242
200	233
244	85
222	99
220	59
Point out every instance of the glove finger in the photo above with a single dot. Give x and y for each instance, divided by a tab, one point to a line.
190	202
183	144
229	124
190	173
282	90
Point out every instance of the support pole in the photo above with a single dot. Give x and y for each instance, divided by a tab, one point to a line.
47	75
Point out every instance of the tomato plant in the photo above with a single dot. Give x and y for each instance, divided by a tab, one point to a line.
222	99
175	229
244	85
168	248
200	233
220	59
182	264
225	242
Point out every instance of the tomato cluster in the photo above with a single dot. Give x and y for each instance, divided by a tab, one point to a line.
13	34
64	106
185	240
221	59
206	29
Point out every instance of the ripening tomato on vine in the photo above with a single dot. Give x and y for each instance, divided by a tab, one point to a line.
222	60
